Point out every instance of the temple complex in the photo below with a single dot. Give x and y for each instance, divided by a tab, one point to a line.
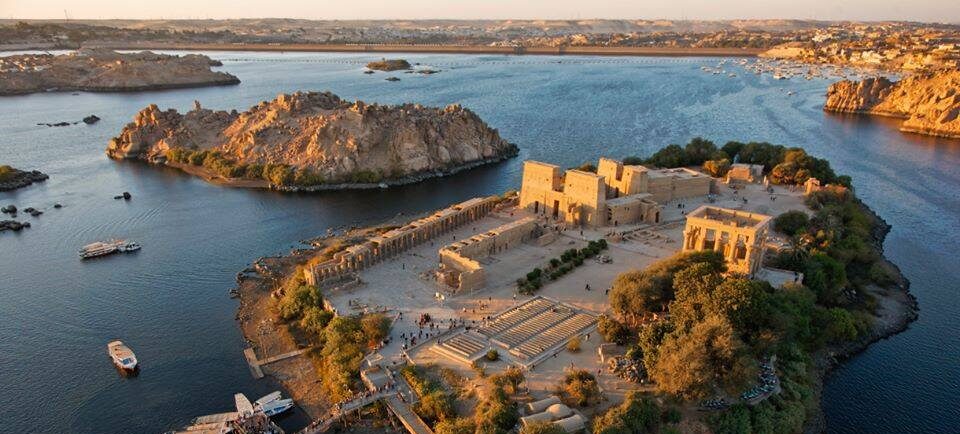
740	236
617	194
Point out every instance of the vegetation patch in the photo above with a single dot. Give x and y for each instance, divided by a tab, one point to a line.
558	267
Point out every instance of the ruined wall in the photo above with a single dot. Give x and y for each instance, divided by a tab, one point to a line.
461	257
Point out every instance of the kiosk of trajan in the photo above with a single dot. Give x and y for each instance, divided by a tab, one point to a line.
739	236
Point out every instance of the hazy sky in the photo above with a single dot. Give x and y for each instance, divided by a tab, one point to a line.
916	10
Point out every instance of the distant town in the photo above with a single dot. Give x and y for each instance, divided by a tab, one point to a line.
884	45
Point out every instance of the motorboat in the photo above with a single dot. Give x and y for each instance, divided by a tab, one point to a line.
272	404
102	248
122	355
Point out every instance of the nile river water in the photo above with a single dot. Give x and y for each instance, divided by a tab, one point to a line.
169	301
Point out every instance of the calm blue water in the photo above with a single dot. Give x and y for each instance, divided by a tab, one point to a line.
169	301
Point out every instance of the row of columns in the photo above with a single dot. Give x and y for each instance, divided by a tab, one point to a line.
416	233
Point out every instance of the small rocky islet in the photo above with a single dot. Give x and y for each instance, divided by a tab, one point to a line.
12	179
928	103
314	140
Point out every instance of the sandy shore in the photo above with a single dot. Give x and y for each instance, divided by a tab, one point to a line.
449	49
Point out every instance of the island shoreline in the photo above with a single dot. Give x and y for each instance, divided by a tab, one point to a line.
830	358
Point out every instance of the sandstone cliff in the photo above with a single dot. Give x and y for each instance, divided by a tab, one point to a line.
322	134
928	103
99	70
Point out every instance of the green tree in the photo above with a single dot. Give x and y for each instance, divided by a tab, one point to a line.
791	222
542	428
711	354
717	168
579	388
455	425
635	415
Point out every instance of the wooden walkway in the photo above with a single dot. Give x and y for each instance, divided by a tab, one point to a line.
255	364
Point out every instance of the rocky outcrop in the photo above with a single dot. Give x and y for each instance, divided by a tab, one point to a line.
928	103
389	65
101	70
322	133
12	179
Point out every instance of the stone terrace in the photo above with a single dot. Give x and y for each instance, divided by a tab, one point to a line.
527	332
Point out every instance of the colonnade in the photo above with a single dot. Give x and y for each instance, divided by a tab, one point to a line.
381	247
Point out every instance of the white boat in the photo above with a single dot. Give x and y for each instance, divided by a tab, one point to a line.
101	248
272	404
122	355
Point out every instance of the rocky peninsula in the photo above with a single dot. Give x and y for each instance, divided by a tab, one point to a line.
313	141
929	103
12	179
101	70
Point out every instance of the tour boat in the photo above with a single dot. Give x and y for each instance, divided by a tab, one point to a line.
101	248
122	355
272	404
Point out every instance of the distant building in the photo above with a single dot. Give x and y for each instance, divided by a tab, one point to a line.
739	236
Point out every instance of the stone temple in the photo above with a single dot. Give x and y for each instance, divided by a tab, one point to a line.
740	236
617	194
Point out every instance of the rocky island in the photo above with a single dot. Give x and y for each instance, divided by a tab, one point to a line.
929	103
100	70
313	141
12	179
389	65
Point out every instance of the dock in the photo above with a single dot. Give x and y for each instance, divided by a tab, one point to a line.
256	364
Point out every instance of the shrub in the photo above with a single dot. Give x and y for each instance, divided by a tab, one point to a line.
791	222
555	262
492	355
717	168
542	427
573	345
579	388
613	330
455	426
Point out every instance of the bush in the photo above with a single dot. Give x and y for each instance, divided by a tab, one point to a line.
492	355
455	426
542	427
297	298
555	262
717	168
496	415
579	388
573	345
637	414
613	330
791	222
315	319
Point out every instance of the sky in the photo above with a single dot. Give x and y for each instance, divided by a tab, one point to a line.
870	10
